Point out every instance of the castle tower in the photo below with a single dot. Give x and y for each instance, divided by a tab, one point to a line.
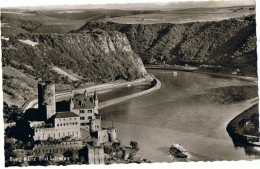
113	134
46	99
86	93
95	98
92	125
71	104
95	124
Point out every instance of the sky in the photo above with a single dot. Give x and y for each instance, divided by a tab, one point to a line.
33	3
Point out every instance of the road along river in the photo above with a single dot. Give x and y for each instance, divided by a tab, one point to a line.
191	109
33	103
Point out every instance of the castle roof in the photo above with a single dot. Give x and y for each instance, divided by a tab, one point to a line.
82	102
65	114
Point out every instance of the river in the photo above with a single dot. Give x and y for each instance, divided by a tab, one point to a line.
188	109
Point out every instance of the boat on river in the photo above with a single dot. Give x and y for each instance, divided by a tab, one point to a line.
175	73
176	150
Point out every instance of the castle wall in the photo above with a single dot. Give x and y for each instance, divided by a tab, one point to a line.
96	156
95	124
40	150
96	107
57	149
34	124
102	136
85	115
67	122
44	133
112	135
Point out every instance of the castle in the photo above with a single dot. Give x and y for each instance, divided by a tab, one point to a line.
82	116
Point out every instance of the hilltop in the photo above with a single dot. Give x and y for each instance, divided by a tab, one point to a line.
223	46
15	21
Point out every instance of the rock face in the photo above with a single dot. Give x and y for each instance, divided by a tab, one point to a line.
94	55
230	44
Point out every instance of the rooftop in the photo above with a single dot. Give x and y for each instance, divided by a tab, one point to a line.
82	102
65	114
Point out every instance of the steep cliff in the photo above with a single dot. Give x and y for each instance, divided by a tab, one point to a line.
68	59
230	44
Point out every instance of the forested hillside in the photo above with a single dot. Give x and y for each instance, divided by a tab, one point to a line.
224	45
92	56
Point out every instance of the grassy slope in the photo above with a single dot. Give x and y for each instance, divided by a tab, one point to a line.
18	86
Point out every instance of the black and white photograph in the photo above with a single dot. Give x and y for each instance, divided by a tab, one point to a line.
122	82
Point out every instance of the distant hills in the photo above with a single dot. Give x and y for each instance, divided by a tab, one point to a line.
141	6
47	45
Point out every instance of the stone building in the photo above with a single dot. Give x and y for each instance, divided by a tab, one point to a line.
64	124
78	117
96	155
40	150
82	114
105	135
87	109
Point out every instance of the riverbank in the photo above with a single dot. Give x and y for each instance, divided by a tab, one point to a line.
218	144
33	103
171	67
245	78
175	114
197	70
244	128
156	85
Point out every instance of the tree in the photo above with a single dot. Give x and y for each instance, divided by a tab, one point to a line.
70	154
134	145
23	130
108	150
9	152
13	113
44	161
83	155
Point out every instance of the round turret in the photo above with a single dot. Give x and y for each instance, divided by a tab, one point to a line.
95	99
46	99
113	135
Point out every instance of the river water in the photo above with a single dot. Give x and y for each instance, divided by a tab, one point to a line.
185	110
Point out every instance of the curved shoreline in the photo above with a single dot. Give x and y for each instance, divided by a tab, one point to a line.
231	127
195	70
156	86
61	96
241	137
